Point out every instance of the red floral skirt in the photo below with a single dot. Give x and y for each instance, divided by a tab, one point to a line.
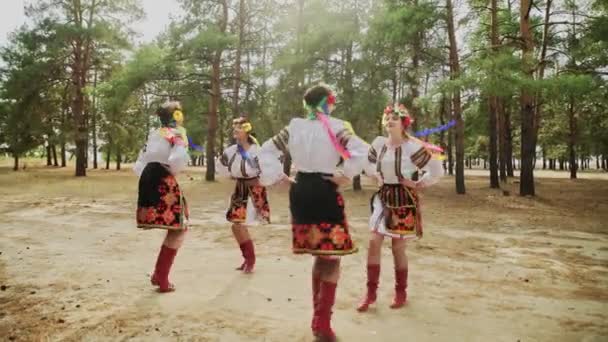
160	203
245	189
319	225
399	210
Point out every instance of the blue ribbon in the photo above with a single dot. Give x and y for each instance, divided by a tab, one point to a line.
245	155
429	131
194	146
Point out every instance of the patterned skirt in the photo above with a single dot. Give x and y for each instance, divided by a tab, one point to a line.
396	212
248	203
318	222
160	203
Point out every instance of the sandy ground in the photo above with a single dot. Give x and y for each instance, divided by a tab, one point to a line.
73	267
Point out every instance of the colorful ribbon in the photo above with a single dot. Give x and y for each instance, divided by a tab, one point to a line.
429	131
194	146
321	112
344	153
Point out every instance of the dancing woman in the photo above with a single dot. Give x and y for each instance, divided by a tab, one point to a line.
316	145
249	202
161	203
396	160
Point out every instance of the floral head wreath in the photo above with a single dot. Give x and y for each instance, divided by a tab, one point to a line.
321	107
244	125
400	110
177	116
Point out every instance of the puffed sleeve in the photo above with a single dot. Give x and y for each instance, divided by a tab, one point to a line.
372	155
270	155
357	147
153	150
140	164
222	164
424	160
178	158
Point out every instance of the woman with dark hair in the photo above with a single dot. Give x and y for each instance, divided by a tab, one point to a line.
396	161
316	145
249	202
161	203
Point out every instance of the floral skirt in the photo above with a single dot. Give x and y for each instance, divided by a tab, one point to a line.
319	225
160	203
396	212
248	203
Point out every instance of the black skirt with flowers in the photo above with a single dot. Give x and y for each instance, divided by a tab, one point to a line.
319	225
160	202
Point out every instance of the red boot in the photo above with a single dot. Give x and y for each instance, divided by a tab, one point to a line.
327	298
373	277
400	289
164	262
248	251
316	287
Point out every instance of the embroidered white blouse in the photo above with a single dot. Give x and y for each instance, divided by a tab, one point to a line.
311	150
232	164
160	149
393	163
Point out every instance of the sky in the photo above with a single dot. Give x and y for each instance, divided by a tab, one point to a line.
157	17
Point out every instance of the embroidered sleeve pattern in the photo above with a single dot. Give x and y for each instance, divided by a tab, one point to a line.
421	157
281	141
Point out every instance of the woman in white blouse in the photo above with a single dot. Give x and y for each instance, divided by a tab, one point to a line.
317	144
402	165
161	203
249	202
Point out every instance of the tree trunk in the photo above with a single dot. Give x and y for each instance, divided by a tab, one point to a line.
604	163
597	162
450	156
414	78
49	161
454	75
561	164
544	161
508	140
63	156
493	103
118	157
215	97
54	149
16	162
502	141
79	73
528	141
357	183
109	153
237	61
572	138
493	132
94	110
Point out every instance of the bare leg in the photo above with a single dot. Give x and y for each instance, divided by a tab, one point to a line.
399	255
240	232
174	238
374	252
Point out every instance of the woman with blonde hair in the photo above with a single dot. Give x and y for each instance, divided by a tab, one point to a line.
403	165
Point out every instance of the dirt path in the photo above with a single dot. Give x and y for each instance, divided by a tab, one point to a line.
490	268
